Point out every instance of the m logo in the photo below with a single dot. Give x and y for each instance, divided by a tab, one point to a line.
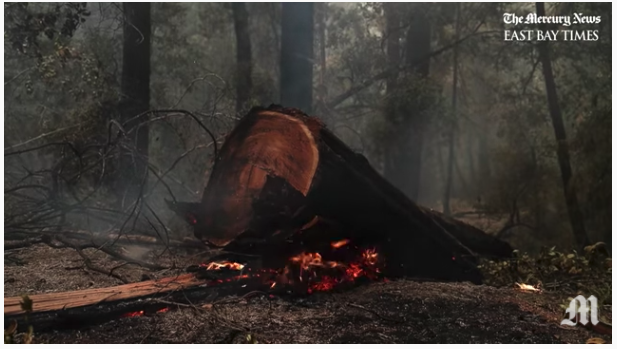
579	311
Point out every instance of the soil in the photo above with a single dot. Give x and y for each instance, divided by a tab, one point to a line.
400	311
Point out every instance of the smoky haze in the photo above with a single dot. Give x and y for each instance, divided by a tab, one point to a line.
431	94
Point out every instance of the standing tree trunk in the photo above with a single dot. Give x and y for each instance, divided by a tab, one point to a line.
563	155
322	15
393	48
404	160
484	167
244	83
471	159
297	56
321	95
135	99
447	192
321	91
393	52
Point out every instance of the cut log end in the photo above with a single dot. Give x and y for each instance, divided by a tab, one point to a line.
266	143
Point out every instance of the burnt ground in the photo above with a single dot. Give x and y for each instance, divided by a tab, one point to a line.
401	311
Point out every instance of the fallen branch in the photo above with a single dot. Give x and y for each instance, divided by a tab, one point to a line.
387	73
76	309
101	238
81	298
88	261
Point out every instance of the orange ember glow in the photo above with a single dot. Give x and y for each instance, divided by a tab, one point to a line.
134	314
141	313
526	287
364	267
228	265
310	270
370	256
339	244
308	260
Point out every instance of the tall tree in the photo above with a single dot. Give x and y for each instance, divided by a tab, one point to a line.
393	53
135	97
563	155
321	91
451	133
244	82
322	15
297	56
393	44
403	162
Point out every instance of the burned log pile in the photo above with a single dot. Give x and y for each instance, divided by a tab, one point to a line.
284	188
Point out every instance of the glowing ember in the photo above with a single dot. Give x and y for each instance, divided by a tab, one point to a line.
307	260
339	244
191	219
370	256
327	283
134	314
310	270
340	273
228	265
526	287
354	271
141	313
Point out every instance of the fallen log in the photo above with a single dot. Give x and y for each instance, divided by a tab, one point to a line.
280	171
475	239
74	299
82	308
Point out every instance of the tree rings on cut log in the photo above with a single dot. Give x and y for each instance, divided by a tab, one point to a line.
265	143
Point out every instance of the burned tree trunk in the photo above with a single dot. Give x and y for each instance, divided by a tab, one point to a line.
563	154
403	161
135	87
244	81
296	85
452	131
285	184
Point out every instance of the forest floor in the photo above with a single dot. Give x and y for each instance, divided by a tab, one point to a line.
401	311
